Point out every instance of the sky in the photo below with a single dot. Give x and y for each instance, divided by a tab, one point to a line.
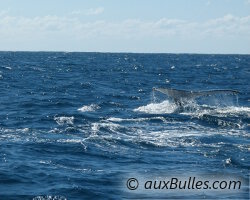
145	26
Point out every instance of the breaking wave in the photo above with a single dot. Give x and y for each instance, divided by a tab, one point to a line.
64	120
89	108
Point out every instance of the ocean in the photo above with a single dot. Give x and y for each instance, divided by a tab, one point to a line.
80	125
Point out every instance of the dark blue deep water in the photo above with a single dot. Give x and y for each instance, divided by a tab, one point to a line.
78	125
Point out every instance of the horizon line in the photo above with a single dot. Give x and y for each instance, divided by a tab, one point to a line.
118	52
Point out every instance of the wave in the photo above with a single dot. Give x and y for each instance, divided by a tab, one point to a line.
95	127
234	110
105	134
64	120
234	117
115	119
115	134
229	111
89	108
49	197
6	67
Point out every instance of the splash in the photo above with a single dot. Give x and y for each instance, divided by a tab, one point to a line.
164	107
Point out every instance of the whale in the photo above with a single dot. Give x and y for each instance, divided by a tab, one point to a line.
181	96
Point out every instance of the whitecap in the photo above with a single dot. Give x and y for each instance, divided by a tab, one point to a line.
64	120
49	197
55	130
45	162
7	67
115	119
228	161
109	125
24	130
69	140
89	108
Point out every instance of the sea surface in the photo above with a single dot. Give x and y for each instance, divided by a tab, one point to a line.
79	125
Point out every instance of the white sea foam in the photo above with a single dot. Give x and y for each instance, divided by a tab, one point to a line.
218	111
159	138
115	119
158	108
184	137
55	130
47	162
69	140
234	110
64	120
24	130
89	108
109	125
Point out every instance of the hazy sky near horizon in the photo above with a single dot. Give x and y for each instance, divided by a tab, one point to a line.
168	26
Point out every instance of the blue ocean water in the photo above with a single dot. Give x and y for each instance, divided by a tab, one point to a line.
78	125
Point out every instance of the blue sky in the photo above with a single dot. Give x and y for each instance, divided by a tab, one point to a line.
177	26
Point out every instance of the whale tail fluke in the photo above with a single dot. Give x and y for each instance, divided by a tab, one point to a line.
180	96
